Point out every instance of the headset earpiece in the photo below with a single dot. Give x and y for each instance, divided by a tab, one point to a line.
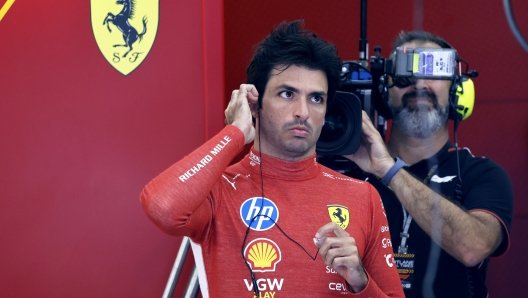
463	99
259	100
466	97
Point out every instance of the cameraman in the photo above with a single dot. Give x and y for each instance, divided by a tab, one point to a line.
444	226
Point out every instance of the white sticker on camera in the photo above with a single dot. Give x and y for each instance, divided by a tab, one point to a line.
436	63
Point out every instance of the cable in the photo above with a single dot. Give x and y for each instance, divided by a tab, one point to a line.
455	128
253	279
458	197
513	26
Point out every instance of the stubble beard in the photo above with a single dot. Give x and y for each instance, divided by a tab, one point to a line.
286	148
420	121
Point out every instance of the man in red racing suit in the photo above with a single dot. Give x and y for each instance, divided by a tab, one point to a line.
257	221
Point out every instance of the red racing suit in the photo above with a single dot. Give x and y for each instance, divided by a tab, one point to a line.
213	204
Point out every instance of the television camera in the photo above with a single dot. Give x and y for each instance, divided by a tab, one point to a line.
367	89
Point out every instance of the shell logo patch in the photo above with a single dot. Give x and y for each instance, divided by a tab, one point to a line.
339	214
125	30
262	255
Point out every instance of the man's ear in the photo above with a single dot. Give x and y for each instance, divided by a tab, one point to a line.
254	110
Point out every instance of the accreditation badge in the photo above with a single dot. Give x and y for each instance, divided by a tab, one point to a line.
405	266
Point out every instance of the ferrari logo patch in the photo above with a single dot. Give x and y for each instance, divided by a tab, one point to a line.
125	30
339	214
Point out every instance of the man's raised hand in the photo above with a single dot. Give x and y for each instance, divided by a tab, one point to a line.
243	103
372	155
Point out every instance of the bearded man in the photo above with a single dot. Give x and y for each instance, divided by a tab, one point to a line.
448	211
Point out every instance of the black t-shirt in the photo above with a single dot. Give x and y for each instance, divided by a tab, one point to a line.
485	186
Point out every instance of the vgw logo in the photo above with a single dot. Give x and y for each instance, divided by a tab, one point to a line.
125	30
267	218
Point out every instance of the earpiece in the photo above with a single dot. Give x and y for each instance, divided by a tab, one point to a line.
259	107
462	102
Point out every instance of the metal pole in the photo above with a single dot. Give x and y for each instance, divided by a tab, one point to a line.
176	269
193	286
363	41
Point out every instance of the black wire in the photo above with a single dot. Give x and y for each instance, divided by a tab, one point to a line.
298	244
458	197
455	128
253	278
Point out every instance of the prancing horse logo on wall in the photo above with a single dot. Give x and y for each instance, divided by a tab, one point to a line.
125	30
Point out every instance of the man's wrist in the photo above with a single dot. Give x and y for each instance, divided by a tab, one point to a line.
392	171
385	168
245	129
360	287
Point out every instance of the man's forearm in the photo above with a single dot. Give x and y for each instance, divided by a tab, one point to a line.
170	199
469	237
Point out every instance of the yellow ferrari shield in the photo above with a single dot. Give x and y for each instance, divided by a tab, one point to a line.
339	215
125	30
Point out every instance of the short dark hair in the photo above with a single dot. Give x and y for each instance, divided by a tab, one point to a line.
419	36
289	45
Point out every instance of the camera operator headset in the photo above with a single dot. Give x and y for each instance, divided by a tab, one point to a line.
406	65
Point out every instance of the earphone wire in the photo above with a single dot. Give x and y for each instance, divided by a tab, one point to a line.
259	213
253	279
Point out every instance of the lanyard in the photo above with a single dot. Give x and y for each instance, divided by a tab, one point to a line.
407	218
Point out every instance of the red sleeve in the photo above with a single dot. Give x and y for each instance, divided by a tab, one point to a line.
378	260
179	200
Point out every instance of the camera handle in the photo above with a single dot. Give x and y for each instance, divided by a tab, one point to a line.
377	70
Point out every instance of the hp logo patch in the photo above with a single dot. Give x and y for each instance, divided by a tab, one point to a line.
251	207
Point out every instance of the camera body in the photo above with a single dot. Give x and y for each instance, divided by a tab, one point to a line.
341	133
367	90
422	63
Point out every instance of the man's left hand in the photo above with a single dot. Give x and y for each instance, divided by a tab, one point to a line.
341	253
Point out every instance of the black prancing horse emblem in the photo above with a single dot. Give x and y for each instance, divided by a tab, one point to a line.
339	215
130	34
